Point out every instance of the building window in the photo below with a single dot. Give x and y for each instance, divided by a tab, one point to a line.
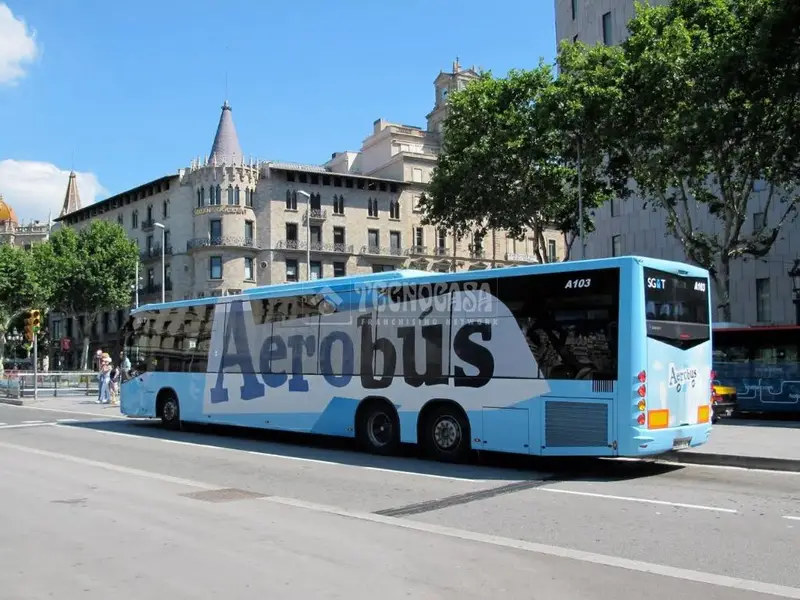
419	238
236	195
382	268
372	207
616	245
167	245
394	209
315	235
248	197
201	197
248	233
149	244
338	205
394	242
338	239
135	219
291	269
215	230
762	301
552	256
441	240
291	200
615	207
291	232
415	203
149	213
249	275
416	175
373	240
316	269
339	269
607	35
120	220
215	267
219	194
315	202
574	7
230	195
168	277
151	280
758	222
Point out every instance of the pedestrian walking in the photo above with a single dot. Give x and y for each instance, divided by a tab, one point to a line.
105	379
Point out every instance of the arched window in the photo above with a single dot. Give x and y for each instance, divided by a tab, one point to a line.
230	195
338	205
211	198
394	209
219	194
236	195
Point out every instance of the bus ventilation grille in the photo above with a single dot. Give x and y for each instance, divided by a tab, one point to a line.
603	385
575	424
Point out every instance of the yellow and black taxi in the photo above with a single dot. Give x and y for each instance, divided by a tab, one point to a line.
723	401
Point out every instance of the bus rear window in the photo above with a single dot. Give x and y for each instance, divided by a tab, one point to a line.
676	308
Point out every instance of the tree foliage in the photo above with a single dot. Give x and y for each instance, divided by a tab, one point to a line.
706	108
505	163
91	272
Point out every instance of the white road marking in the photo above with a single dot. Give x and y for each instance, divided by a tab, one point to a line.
32	422
68	411
26	425
722	467
791	518
317	461
640	500
535	548
68	421
532	547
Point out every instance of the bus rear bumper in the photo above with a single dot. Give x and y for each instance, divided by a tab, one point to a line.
649	442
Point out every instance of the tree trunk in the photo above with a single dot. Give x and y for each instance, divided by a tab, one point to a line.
2	351
569	241
722	287
87	338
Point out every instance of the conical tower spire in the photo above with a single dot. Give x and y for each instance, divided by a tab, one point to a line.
226	149
72	199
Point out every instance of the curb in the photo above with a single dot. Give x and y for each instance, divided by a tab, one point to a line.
732	460
13	401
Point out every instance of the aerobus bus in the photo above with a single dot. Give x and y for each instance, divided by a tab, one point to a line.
608	357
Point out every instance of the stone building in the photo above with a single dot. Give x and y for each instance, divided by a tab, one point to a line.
761	290
228	222
13	231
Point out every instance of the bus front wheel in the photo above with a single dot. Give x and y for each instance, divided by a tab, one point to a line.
378	427
169	410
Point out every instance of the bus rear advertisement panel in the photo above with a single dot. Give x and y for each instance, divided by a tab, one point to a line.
507	360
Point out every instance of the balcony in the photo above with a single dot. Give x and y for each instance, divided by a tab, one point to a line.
417	251
148	224
300	246
224	241
441	251
154	253
524	258
317	215
384	252
223	209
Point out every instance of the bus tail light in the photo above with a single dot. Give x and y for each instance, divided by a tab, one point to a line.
658	419
641	419
642	377
641	406
642	391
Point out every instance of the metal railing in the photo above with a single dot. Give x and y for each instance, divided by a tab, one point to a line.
148	224
155	252
383	251
317	214
227	240
55	383
315	246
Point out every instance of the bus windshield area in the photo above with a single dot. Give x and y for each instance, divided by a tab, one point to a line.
677	308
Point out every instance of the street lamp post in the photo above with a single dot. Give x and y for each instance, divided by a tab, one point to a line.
163	263
308	232
794	273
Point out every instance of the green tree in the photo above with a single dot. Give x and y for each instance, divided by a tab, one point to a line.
699	120
23	286
93	271
503	164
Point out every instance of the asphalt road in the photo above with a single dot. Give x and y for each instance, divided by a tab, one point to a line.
98	507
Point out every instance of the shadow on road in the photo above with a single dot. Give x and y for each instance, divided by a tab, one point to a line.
482	465
784	421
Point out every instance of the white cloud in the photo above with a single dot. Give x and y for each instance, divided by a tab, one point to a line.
17	46
34	189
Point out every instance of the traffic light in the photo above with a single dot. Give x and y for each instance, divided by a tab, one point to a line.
36	321
28	327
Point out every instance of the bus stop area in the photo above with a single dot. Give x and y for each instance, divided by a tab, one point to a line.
736	442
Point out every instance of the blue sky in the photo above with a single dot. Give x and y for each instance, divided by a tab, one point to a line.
132	90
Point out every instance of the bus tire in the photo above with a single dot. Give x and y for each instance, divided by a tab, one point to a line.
378	427
446	433
169	409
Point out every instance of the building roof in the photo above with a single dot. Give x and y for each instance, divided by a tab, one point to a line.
323	170
226	149
72	199
6	212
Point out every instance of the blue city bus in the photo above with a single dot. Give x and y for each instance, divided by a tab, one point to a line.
607	357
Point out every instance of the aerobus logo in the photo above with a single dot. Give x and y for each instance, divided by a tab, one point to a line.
681	377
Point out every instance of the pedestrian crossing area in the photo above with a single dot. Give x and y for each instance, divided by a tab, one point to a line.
40	423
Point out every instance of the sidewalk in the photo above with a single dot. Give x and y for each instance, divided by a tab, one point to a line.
751	444
748	443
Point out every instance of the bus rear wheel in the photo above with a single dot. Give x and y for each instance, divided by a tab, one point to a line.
446	434
378	429
169	410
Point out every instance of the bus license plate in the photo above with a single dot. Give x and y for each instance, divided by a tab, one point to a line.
681	443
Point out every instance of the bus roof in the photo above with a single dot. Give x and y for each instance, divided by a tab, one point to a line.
338	284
